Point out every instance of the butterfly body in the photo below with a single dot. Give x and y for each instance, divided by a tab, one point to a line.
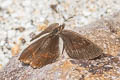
46	49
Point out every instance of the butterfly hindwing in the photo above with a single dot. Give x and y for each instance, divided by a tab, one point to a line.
26	55
42	52
78	47
47	54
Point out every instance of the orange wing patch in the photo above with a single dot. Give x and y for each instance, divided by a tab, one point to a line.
43	59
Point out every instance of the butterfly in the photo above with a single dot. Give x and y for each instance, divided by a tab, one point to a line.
45	50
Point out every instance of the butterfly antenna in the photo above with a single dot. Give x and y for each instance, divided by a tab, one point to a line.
54	8
65	20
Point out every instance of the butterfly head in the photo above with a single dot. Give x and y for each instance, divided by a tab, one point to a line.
58	29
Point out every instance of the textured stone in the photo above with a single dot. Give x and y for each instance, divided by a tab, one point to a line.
104	32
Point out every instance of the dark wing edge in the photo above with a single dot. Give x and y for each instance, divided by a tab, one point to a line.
78	47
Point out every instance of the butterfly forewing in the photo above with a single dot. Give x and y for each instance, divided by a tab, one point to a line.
42	52
47	30
78	47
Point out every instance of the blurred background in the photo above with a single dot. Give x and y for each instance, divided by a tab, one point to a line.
20	20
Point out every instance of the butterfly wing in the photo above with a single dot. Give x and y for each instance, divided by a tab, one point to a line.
26	55
47	54
47	30
42	52
78	47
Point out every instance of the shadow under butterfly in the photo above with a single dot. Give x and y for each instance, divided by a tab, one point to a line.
46	49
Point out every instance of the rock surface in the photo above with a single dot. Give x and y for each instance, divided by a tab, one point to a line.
105	32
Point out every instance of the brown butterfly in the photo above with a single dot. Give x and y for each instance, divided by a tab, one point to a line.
45	50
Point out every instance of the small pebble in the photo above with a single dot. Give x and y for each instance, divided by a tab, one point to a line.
15	49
